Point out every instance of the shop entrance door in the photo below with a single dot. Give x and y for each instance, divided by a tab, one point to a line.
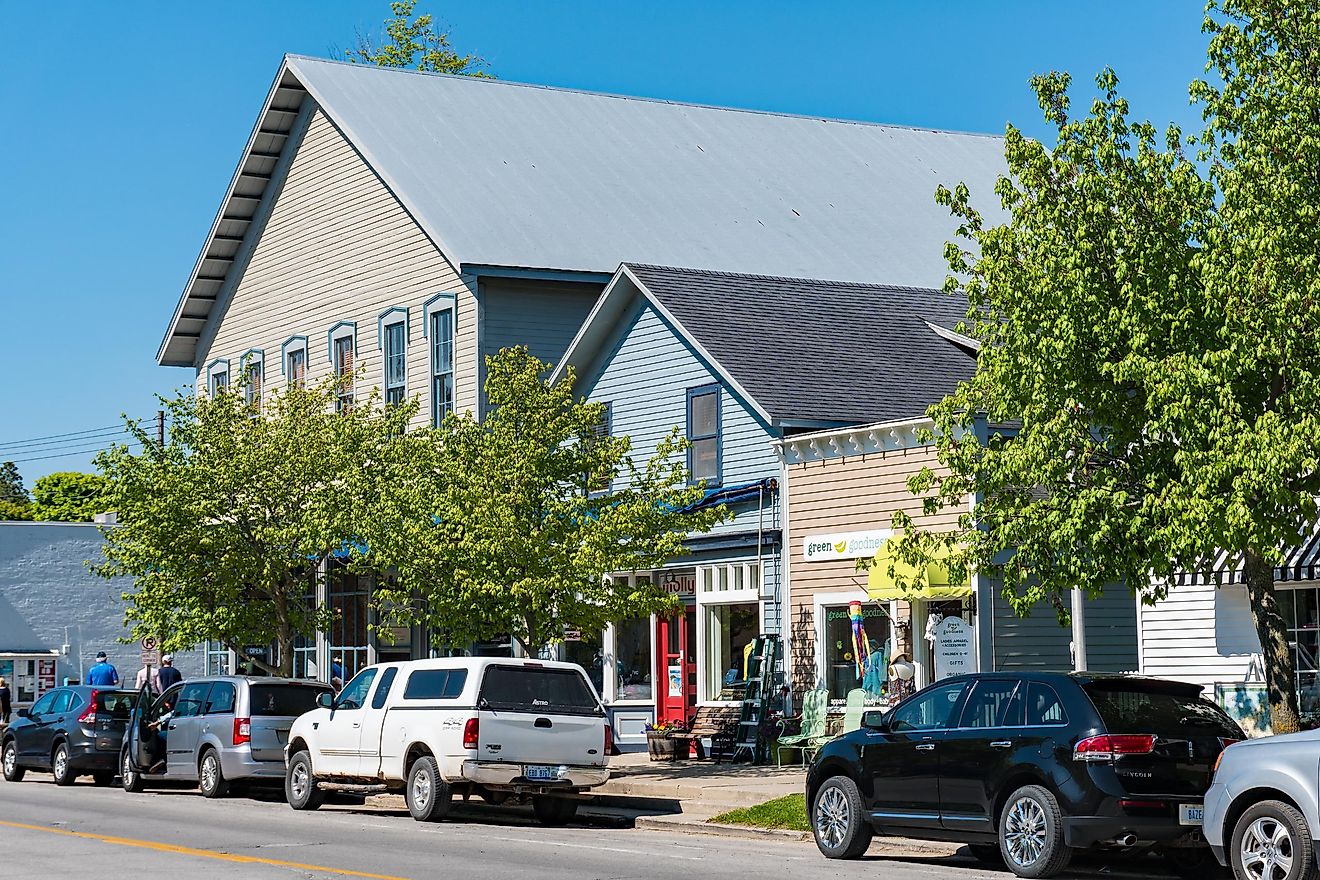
676	644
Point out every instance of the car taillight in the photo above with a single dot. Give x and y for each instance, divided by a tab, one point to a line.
242	731
1224	741
1109	745
88	717
471	730
609	740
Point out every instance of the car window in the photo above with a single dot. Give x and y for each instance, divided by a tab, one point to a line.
191	699
1137	707
435	684
990	705
537	689
354	694
117	704
221	699
43	705
1043	706
383	689
62	700
932	710
165	702
284	700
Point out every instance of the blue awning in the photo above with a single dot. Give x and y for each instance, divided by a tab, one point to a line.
736	493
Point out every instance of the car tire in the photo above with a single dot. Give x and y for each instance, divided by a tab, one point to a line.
838	820
551	810
429	797
59	766
987	854
129	777
1031	834
103	778
210	776
300	783
14	771
1273	830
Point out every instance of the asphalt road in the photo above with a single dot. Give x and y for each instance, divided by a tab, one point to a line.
84	831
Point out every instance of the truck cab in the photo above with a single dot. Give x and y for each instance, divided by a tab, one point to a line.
494	727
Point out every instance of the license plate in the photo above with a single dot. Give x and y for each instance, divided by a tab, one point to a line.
538	771
1191	814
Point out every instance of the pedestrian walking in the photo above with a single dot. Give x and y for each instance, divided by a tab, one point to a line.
167	676
337	673
142	679
103	673
6	701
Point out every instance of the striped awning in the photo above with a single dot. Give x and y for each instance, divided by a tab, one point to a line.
1300	563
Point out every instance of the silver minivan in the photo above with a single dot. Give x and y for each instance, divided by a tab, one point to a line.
214	731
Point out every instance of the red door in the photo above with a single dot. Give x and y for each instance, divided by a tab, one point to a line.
676	643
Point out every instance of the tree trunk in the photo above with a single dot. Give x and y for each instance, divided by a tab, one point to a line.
1258	575
284	635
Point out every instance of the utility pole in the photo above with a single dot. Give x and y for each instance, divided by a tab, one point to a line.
160	428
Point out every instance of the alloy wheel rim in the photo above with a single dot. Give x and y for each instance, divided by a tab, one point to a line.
209	772
128	768
1267	849
11	759
298	780
1025	832
833	816
61	763
422	789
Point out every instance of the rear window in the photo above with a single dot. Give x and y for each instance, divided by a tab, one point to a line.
1148	710
285	699
537	689
118	706
435	684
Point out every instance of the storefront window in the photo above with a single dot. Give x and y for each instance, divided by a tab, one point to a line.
730	630
217	659
841	673
349	595
632	660
587	651
1301	614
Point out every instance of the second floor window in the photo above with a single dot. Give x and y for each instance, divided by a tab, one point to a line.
600	483
442	365
217	379
703	433
343	349
295	367
253	375
395	362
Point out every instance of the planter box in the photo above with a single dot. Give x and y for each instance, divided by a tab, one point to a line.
662	748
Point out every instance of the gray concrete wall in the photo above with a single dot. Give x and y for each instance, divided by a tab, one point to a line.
47	590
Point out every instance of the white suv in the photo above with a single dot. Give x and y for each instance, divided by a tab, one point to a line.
464	725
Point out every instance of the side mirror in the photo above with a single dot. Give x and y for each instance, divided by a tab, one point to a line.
325	700
24	713
875	720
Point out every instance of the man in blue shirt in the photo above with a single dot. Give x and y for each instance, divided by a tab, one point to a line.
102	673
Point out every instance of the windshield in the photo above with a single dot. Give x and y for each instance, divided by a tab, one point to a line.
284	699
537	690
1147	710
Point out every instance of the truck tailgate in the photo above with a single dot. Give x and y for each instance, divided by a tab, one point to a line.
540	715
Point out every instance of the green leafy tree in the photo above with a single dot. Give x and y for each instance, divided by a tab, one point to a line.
414	43
13	511
1148	333
496	526
224	529
68	496
11	484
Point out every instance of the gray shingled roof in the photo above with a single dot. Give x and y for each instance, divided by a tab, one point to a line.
820	350
506	174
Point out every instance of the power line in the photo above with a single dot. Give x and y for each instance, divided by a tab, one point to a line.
59	436
72	453
36	446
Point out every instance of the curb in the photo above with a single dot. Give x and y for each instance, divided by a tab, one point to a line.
715	829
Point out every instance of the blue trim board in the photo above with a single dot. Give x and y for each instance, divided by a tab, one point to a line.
289	343
430	306
385	317
330	339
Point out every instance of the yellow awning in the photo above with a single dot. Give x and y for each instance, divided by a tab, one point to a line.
880	586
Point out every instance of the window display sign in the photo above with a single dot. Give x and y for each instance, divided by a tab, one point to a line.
45	676
679	583
954	648
844	545
675	681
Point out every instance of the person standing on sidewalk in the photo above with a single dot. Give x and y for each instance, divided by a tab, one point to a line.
6	701
167	676
142	679
103	674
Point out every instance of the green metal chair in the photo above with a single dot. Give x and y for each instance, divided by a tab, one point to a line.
852	712
814	704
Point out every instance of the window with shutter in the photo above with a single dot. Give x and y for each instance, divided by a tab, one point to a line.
343	347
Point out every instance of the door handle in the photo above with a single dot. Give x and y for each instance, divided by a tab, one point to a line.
1002	744
926	747
169	727
356	725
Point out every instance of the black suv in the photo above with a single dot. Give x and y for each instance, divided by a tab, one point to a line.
1026	768
69	731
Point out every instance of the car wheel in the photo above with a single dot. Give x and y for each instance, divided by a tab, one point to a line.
103	777
13	772
551	810
300	784
59	766
839	821
1031	834
129	778
210	778
428	796
987	854
1271	842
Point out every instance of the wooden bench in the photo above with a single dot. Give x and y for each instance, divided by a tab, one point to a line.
720	723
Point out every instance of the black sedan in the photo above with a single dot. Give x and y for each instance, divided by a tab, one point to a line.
1027	768
70	731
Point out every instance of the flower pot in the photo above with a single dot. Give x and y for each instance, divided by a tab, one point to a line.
661	748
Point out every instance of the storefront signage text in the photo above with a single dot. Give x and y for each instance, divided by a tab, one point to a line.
844	545
955	653
679	584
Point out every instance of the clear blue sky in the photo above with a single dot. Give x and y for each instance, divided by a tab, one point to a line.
122	124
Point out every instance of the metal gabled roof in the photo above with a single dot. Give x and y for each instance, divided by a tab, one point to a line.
506	174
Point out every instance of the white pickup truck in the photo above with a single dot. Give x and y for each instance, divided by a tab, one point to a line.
495	727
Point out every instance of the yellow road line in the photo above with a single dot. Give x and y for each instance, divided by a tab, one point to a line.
201	853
